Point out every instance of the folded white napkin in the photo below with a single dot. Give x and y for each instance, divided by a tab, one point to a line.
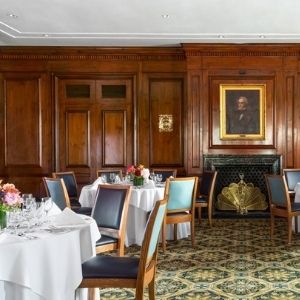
97	182
149	185
68	217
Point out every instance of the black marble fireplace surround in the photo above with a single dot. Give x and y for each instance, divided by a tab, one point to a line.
252	166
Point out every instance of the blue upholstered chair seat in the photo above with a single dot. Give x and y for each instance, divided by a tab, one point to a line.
201	199
295	206
105	239
83	210
110	267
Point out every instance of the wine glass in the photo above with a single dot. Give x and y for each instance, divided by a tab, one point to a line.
112	177
47	204
159	178
104	178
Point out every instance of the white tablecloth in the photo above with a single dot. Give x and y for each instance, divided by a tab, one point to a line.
141	203
48	267
297	199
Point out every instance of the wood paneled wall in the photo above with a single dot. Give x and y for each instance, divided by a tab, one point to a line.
44	129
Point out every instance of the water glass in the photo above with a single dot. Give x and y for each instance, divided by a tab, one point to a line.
103	178
47	204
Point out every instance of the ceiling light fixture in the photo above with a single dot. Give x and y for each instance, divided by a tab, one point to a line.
220	36
165	16
262	36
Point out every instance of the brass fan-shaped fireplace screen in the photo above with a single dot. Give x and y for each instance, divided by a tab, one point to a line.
241	197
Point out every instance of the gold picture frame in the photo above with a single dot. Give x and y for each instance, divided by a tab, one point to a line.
242	111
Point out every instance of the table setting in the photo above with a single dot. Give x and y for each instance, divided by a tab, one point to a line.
42	249
147	188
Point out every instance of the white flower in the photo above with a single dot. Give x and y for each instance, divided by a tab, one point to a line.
145	173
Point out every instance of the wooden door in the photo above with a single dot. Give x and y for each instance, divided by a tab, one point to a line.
94	127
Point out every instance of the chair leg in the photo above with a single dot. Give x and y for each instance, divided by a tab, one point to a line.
193	232
272	220
289	230
151	289
139	293
91	293
175	232
199	214
209	215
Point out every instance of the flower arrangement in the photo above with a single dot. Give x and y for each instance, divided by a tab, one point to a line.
138	174
9	197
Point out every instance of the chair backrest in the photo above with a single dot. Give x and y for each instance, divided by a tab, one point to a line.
292	177
56	189
107	173
70	182
166	173
111	207
207	183
149	246
278	191
181	193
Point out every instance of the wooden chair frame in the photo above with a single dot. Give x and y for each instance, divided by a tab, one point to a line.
285	212
174	216
121	233
100	171
146	269
209	197
161	170
71	173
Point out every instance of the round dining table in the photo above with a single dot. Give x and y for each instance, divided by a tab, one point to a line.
141	203
46	263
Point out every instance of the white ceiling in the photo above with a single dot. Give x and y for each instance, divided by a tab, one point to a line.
140	22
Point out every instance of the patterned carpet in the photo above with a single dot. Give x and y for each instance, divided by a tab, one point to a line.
235	259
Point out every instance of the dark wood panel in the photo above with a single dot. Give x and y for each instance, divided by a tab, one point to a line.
77	138
166	100
114	145
22	122
290	104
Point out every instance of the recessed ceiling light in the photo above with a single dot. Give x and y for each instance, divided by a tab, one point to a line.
165	16
11	15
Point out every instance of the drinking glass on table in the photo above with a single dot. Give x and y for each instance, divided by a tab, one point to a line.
112	177
159	178
47	204
103	178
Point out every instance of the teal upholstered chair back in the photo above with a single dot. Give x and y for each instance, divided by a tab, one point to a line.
156	230
181	194
277	190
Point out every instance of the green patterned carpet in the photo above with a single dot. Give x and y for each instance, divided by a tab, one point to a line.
235	259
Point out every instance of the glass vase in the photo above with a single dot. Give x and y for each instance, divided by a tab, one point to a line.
2	219
138	181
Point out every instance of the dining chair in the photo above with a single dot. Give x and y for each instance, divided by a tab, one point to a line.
110	212
205	195
166	173
279	202
71	186
108	172
128	272
56	189
181	195
292	177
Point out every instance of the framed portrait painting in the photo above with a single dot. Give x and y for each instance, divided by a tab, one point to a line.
242	111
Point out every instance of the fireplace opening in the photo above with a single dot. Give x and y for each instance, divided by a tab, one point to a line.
253	168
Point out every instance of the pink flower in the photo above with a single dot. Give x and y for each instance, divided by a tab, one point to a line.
12	199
